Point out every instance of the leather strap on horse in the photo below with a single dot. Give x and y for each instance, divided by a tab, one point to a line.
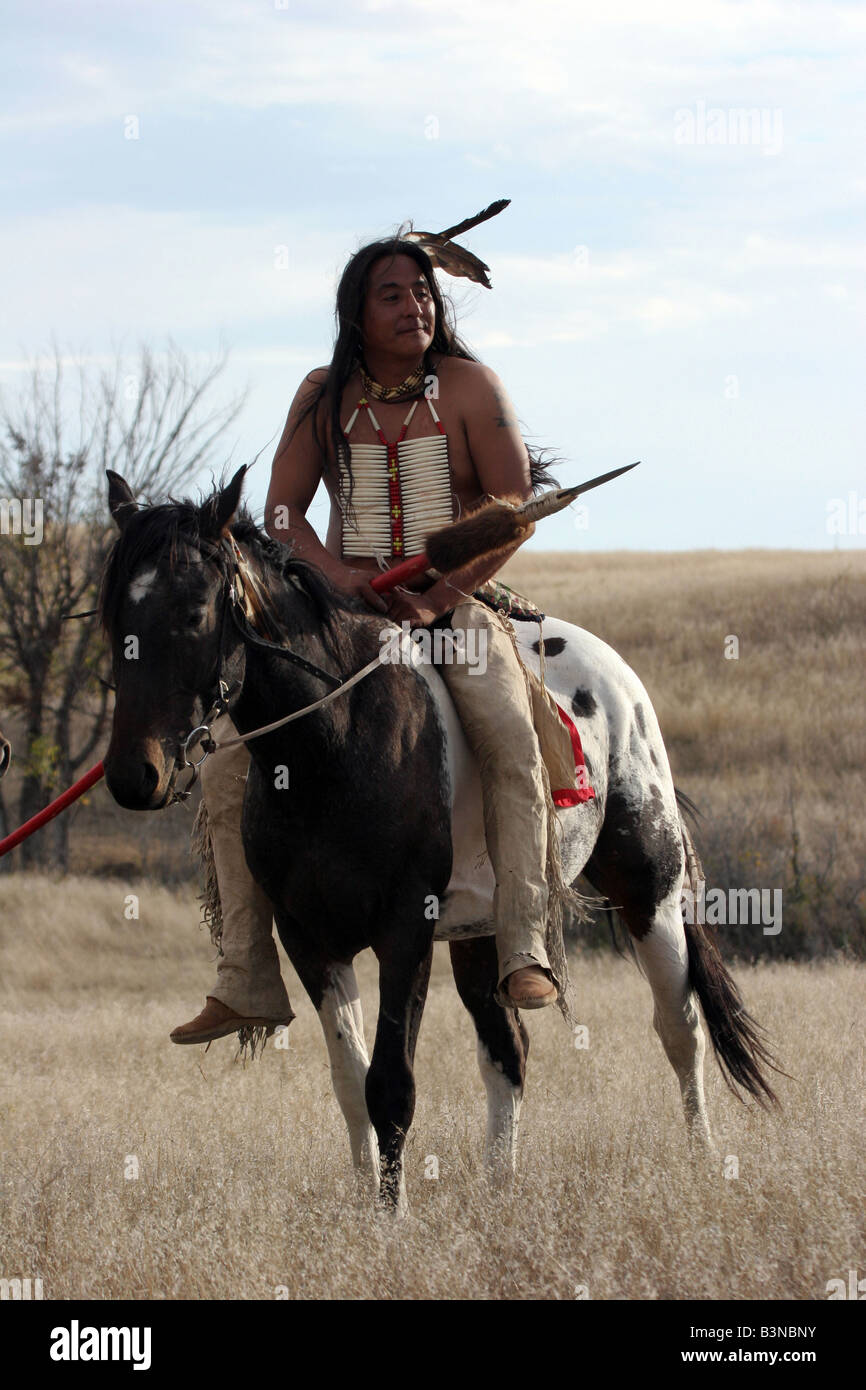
250	635
299	713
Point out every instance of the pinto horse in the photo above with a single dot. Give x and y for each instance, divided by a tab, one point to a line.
373	823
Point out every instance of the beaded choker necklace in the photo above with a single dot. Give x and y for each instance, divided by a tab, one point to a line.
410	387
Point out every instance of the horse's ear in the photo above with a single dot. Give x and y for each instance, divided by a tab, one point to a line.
218	511
121	499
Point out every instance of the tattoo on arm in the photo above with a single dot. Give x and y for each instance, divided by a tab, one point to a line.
505	419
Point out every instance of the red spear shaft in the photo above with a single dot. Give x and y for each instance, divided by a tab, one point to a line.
41	818
496	526
400	574
406	570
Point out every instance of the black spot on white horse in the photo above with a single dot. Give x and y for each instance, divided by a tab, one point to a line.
638	857
638	742
553	646
583	704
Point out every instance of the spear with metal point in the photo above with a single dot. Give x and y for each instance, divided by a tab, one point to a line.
491	528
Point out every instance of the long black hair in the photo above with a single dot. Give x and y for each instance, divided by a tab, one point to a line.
325	399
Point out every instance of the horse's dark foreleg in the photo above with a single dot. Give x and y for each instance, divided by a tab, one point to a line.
503	1047
404	973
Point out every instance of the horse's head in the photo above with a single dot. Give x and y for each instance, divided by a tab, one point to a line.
164	606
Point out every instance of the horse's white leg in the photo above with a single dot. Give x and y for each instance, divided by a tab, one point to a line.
343	1025
504	1100
503	1046
663	956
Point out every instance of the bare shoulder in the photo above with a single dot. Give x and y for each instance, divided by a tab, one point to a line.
309	388
461	371
314	379
474	385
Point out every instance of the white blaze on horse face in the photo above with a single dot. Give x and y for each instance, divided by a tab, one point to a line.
142	585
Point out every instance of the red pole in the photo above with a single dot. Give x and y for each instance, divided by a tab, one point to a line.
398	574
41	818
407	569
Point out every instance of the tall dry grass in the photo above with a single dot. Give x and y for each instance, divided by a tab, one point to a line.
243	1183
244	1186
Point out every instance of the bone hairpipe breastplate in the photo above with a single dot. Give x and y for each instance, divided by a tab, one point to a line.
401	490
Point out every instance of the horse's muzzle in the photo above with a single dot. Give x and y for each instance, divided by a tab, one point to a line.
139	782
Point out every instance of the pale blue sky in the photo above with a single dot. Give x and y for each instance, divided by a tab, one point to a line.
671	283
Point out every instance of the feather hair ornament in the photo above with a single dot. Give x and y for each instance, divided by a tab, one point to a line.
453	259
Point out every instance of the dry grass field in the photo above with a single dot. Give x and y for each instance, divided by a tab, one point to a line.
243	1185
243	1182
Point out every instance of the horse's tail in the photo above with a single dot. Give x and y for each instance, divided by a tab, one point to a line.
738	1040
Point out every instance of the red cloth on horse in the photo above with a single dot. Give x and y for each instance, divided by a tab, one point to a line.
572	796
505	600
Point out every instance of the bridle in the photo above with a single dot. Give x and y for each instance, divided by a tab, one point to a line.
241	595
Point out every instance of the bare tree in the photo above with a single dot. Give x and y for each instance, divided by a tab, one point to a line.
153	420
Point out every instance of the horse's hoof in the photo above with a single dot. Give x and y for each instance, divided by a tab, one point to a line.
392	1200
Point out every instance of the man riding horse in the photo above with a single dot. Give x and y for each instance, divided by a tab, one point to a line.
408	431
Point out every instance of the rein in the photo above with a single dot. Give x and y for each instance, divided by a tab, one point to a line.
299	713
236	601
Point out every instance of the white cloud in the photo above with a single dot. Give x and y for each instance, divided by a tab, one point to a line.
611	72
702	260
775	253
116	267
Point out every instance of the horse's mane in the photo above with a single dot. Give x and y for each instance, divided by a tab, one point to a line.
156	535
327	601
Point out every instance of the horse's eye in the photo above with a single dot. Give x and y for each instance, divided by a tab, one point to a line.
195	619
